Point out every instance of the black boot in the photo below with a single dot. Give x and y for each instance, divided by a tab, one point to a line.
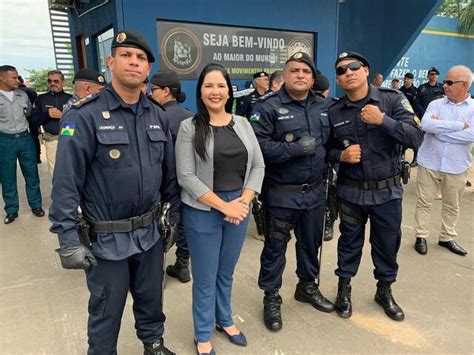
329	229
180	270
308	292
272	311
157	348
343	304
384	298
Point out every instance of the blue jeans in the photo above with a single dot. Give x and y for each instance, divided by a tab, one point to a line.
214	248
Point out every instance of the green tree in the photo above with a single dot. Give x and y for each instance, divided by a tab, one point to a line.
461	9
38	79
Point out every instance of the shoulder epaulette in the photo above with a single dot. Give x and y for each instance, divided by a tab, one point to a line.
266	96
81	102
389	89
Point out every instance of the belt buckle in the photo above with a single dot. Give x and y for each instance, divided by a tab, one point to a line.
137	222
305	188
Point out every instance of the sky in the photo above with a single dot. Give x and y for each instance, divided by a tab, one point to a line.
25	35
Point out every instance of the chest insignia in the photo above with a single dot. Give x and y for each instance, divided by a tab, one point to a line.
290	137
114	154
106	115
283	111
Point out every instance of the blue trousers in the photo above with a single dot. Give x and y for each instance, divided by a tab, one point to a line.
308	226
385	238
23	149
109	283
214	248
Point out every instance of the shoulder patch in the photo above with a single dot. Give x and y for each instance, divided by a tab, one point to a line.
406	105
255	116
84	100
67	128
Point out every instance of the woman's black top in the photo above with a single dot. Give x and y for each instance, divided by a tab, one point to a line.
230	159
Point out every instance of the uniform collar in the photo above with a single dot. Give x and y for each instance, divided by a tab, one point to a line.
170	103
115	100
286	98
374	95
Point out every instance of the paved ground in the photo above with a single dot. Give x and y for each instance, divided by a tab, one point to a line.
43	308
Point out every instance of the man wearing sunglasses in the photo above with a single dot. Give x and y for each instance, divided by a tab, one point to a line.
369	126
445	158
48	110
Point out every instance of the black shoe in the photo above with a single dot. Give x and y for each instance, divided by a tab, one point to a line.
10	217
272	311
38	212
452	246
157	348
308	292
212	352
414	164
420	246
180	270
384	298
237	339
329	230
343	304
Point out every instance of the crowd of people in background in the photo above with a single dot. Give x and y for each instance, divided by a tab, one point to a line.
118	151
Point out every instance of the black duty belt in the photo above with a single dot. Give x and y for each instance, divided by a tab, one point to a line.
125	225
297	188
370	184
14	135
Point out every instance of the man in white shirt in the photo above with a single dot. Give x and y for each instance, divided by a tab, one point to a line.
445	156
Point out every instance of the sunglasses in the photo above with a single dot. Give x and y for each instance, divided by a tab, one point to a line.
433	73
451	82
53	81
354	66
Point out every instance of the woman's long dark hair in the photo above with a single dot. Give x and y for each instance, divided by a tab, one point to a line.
201	119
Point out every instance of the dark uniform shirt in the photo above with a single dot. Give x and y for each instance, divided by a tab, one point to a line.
380	145
116	161
425	94
42	104
279	122
176	114
410	94
247	102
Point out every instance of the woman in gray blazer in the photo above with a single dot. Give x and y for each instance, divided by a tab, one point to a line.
220	169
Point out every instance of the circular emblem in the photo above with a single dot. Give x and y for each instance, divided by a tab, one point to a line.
181	51
290	137
299	44
298	55
283	111
343	55
100	79
114	153
122	36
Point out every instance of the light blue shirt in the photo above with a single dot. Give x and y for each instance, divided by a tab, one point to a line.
447	145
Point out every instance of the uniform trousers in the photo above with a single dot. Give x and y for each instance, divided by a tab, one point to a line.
452	189
51	146
109	283
385	238
21	147
182	251
308	226
214	248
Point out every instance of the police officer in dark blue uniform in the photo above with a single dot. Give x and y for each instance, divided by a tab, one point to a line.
246	103
116	161
292	128
166	90
369	125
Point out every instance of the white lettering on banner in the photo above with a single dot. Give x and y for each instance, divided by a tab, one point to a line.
242	41
270	43
215	40
237	57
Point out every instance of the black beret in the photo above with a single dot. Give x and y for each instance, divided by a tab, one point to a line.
165	78
409	75
260	74
352	55
129	38
303	57
91	75
321	83
433	69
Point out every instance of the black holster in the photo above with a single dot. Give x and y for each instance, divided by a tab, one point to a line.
258	212
405	172
86	237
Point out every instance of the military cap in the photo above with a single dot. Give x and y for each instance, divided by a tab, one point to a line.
165	78
433	69
302	57
90	75
260	74
352	55
321	83
130	38
409	75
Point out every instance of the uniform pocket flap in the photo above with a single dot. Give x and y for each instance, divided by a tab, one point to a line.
109	138
157	136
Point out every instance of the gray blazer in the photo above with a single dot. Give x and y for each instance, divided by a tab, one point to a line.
196	176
